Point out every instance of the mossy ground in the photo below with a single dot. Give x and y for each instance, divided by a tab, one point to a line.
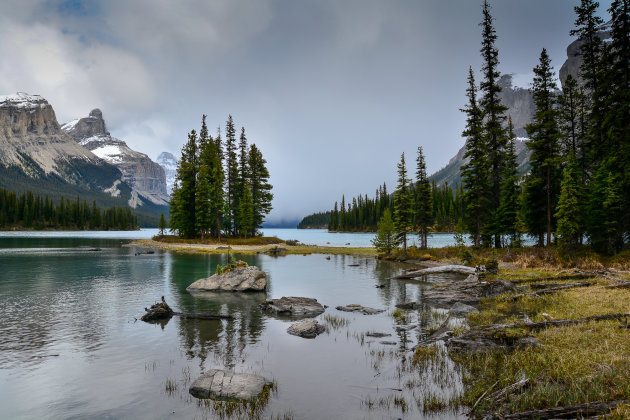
576	364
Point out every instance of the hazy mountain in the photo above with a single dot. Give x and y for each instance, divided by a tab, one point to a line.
168	162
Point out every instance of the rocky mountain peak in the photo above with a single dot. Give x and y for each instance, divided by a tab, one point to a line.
91	126
169	163
574	54
145	177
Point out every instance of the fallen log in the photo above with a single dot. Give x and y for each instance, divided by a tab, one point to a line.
456	269
502	394
546	324
201	316
549	290
577	276
570	411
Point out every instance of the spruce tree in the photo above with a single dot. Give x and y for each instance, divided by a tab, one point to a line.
246	211
231	171
260	186
507	214
475	173
542	186
424	199
568	213
402	205
494	117
182	204
161	224
243	176
385	240
205	160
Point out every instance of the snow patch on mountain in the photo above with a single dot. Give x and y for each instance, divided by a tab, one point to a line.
168	162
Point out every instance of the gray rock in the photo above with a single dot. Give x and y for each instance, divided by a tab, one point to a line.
409	305
222	384
295	306
309	328
358	308
242	279
461	309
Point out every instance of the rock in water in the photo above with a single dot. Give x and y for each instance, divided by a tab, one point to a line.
158	311
296	306
358	308
308	328
461	309
223	385
242	279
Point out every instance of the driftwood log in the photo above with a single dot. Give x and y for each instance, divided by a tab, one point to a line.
570	411
545	291
456	269
161	310
555	323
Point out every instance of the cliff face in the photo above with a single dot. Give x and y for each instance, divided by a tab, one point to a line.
32	141
574	56
145	177
520	103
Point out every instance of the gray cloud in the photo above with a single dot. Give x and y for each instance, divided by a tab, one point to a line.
332	91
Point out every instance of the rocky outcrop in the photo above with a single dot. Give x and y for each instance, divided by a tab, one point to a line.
168	162
308	328
520	103
32	140
225	385
294	306
574	56
157	311
144	176
461	309
241	279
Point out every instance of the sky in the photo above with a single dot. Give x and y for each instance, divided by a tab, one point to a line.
331	91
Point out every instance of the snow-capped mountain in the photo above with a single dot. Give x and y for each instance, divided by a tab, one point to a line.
145	177
168	162
33	146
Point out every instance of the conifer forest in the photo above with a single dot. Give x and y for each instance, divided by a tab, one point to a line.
578	187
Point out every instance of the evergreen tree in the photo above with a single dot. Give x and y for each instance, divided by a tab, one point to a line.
475	175
542	186
182	204
246	211
162	224
231	171
424	199
568	213
260	187
494	117
243	175
205	160
385	240
507	214
402	205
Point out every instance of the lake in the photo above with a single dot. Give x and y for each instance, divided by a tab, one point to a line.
72	345
319	237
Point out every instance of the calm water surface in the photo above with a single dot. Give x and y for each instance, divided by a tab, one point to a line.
71	346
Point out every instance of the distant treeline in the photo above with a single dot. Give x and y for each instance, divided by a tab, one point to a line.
31	211
363	213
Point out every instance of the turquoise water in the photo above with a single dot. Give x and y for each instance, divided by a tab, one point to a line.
72	346
306	236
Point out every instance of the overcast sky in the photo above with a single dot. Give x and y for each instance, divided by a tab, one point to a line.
331	91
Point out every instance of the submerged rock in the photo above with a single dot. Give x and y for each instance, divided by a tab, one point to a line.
222	384
157	312
409	305
308	328
241	279
461	309
295	306
358	308
377	334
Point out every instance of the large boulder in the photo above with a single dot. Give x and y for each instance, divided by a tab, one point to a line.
242	279
223	385
309	328
295	306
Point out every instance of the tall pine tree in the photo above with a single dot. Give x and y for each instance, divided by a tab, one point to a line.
260	188
507	214
542	185
402	204
423	199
